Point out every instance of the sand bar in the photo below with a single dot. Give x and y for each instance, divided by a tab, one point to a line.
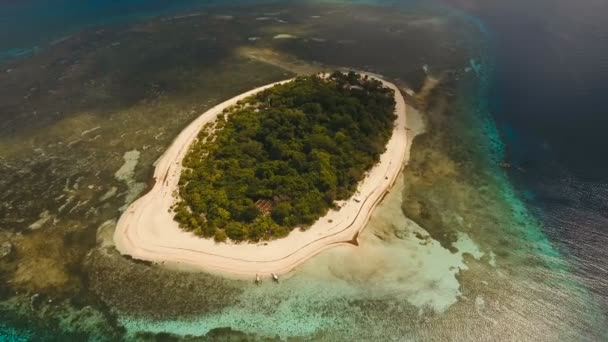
147	231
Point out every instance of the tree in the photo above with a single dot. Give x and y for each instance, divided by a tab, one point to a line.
220	235
301	145
281	212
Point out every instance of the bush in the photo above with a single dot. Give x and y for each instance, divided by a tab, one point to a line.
308	144
220	235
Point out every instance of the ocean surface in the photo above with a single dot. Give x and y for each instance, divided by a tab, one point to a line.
547	99
462	249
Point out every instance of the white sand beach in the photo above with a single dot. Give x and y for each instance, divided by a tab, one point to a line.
147	231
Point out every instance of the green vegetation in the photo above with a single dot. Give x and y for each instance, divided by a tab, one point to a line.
293	149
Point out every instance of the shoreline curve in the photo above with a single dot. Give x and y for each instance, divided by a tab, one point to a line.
146	229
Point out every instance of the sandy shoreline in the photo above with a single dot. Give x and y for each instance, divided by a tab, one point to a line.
147	231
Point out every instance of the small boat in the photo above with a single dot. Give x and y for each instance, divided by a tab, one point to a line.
257	278
275	277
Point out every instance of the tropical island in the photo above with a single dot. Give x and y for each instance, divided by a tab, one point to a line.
281	158
314	152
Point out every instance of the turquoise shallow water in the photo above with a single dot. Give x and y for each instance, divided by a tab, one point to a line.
500	278
402	270
319	297
9	333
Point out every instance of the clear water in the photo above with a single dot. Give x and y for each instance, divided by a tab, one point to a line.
461	249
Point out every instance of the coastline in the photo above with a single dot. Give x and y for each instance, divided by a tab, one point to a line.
147	231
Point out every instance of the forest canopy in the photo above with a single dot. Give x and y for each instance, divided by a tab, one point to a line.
282	157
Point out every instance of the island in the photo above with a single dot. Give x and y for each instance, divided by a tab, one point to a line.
262	182
281	158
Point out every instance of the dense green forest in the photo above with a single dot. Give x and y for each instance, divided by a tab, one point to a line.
293	149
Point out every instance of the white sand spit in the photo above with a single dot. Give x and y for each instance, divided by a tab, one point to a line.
285	36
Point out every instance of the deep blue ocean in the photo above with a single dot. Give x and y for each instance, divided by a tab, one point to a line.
548	99
26	26
549	102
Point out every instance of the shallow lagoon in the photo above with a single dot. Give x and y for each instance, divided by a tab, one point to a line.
450	253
